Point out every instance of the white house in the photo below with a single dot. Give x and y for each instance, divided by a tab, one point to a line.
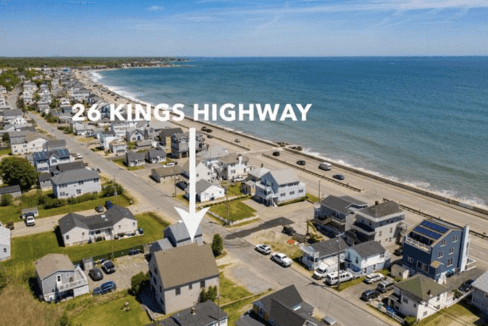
105	138
233	166
120	128
366	258
279	186
206	191
202	172
29	144
4	243
74	183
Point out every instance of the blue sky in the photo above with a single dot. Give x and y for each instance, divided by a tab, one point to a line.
244	28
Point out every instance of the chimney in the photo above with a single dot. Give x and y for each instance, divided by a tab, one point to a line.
193	311
376	203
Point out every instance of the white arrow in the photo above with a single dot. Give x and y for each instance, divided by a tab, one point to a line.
193	218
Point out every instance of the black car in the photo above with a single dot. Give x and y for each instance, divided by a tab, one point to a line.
277	153
338	176
134	252
368	295
301	162
108	267
210	136
96	274
466	286
99	209
398	252
288	230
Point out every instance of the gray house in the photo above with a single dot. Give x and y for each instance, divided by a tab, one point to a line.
45	181
336	214
74	183
135	159
54	144
315	254
480	293
4	243
45	161
178	235
155	156
58	278
180	143
14	191
166	134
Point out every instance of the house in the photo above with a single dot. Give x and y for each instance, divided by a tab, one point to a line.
178	275
253	177
80	95
366	258
14	191
118	147
435	247
144	144
162	173
74	183
419	297
60	168
45	181
180	142
206	191
279	186
381	222
232	166
134	135
202	172
135	159
115	222
166	134
154	128
210	156
29	144
45	161
335	215
202	314
480	293
284	308
54	144
58	278
4	243
177	234
120	127
105	138
316	253
11	115
79	129
155	156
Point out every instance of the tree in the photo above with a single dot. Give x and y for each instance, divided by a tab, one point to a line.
109	190
5	138
6	200
217	245
18	171
210	294
138	283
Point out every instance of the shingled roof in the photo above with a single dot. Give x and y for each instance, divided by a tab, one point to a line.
421	287
74	176
94	222
368	249
380	210
52	263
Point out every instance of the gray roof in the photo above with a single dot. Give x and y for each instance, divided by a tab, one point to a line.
481	282
132	156
13	112
383	209
156	153
233	158
206	313
52	263
4	236
168	171
168	132
163	244
368	249
69	166
289	297
337	204
213	152
9	189
203	185
329	247
74	176
189	264
44	177
284	176
258	173
95	222
180	232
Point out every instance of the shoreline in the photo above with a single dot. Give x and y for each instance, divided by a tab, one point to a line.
437	195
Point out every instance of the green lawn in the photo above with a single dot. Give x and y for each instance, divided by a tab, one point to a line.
121	162
11	213
5	151
312	198
237	210
25	250
111	313
230	291
456	315
233	190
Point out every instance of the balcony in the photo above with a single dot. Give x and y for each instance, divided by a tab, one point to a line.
364	229
417	244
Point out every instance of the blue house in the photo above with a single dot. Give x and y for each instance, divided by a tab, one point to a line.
437	249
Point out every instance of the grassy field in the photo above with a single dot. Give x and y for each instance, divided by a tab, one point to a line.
121	162
457	315
25	250
230	291
232	189
111	313
312	198
237	210
11	213
5	151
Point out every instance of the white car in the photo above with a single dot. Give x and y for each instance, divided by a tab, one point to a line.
78	156
30	221
264	249
282	259
373	277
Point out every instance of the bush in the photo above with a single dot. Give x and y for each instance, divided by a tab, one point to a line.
54	203
211	294
217	245
109	190
138	283
410	320
6	200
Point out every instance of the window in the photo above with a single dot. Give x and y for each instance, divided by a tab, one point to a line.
292	192
441	254
283	195
450	262
67	237
425	268
405	300
59	278
178	291
425	313
300	191
451	250
202	284
391	230
410	259
4	249
455	238
357	260
81	182
443	243
381	232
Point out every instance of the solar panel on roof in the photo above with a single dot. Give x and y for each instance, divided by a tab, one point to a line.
428	233
434	227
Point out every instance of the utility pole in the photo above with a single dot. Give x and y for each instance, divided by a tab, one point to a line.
338	261
319	190
115	193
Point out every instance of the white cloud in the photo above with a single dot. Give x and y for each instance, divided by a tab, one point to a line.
154	8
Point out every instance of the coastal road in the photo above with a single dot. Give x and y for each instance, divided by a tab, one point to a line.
150	197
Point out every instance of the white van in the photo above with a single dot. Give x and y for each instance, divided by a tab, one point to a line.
333	278
325	166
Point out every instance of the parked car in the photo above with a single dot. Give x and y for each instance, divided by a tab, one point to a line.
338	176
301	162
282	259
237	140
288	230
385	286
105	288
325	166
78	156
334	277
373	277
264	249
108	267
466	286
134	251
96	274
210	136
368	295
329	320
99	209
30	221
109	204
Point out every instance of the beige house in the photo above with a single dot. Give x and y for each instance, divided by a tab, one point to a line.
79	229
178	275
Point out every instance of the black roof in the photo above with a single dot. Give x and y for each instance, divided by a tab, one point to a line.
69	166
168	132
44	177
383	209
289	297
205	313
338	204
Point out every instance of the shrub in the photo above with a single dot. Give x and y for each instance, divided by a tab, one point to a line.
410	320
6	200
210	294
138	283
217	245
109	190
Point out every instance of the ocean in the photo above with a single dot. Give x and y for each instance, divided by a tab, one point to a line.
422	121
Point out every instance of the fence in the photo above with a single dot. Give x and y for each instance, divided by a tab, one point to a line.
113	255
346	185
